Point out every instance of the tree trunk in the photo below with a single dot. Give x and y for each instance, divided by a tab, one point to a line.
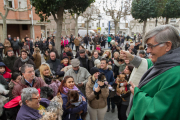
59	22
76	28
167	20
4	30
87	27
144	31
116	27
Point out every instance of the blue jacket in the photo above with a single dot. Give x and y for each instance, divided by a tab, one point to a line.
109	75
27	113
70	114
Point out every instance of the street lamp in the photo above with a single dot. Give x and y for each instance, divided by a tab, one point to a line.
99	18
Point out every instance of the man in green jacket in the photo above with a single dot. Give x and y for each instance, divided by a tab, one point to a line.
157	95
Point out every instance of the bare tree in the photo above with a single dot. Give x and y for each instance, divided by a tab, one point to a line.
75	17
67	20
7	9
90	14
117	9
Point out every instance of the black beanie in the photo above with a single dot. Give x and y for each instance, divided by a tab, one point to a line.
94	70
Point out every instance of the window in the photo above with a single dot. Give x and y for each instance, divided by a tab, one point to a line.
24	27
10	3
97	25
102	24
92	24
22	3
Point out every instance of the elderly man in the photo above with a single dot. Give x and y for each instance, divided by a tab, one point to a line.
157	95
30	103
28	80
10	60
84	61
53	62
79	74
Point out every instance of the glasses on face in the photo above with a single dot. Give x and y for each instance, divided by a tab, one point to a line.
37	98
152	46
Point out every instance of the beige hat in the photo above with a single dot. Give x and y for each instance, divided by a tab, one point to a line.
75	62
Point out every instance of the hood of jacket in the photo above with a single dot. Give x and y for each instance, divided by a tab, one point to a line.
6	68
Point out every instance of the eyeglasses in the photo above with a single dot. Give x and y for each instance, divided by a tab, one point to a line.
38	97
152	46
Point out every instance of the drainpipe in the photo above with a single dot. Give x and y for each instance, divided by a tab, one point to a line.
32	23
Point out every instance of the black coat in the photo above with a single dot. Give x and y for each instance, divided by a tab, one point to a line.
9	62
59	72
1	49
87	63
53	65
15	45
37	44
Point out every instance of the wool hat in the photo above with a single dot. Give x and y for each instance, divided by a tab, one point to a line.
75	62
64	56
94	70
82	51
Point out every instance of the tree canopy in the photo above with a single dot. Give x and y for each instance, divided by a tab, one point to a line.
171	10
47	7
143	9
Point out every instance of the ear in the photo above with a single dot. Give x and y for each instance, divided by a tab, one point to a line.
169	46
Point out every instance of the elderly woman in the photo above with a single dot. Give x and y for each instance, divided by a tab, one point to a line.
97	97
71	113
157	95
46	75
24	59
30	103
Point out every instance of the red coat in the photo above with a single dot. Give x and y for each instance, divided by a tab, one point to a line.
6	74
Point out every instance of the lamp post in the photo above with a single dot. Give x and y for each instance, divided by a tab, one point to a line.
99	18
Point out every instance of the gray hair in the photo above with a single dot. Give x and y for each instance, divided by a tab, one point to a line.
23	68
164	33
142	52
27	93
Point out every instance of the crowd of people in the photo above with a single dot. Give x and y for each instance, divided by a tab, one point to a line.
93	82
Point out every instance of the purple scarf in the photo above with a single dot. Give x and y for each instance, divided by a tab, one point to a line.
67	89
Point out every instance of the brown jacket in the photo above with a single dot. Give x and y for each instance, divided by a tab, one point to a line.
38	83
76	42
37	60
93	102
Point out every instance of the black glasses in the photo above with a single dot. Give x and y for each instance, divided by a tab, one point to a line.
152	46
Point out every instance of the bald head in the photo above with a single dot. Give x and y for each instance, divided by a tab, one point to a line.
53	55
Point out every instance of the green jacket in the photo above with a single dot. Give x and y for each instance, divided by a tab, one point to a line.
159	99
109	39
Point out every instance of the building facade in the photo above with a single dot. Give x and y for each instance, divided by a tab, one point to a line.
20	24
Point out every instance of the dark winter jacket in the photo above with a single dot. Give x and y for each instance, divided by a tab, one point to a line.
59	72
53	65
54	50
3	82
86	62
1	49
18	63
9	62
109	75
37	44
70	114
15	45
